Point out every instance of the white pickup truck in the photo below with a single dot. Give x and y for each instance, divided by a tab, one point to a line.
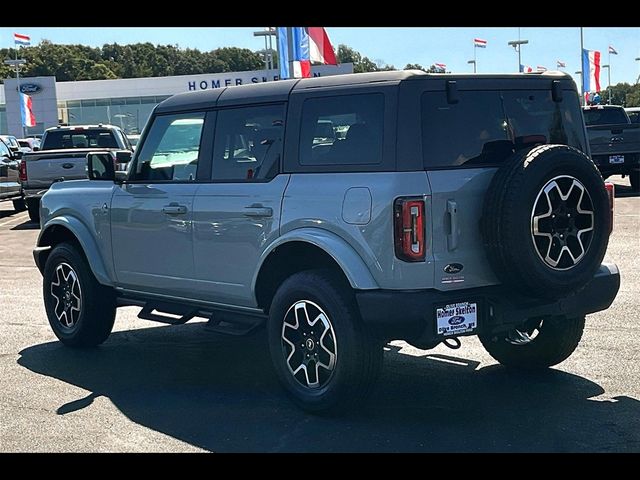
63	156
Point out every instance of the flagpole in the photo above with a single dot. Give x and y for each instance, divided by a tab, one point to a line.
19	91
582	102
475	61
609	74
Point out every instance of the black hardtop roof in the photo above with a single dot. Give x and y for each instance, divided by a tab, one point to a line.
279	91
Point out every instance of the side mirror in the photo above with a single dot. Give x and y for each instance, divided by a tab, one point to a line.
123	156
100	166
36	149
17	155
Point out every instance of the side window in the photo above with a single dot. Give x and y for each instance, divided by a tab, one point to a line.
342	130
248	143
171	149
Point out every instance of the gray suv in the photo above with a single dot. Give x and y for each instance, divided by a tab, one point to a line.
440	206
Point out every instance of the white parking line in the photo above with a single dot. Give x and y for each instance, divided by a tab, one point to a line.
19	219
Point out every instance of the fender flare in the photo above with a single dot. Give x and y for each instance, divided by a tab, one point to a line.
87	242
351	263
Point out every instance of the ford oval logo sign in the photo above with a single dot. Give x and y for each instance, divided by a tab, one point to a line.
453	268
30	88
457	320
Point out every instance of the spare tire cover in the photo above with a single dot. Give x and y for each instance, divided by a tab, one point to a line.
546	221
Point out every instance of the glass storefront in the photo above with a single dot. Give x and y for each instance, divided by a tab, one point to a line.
129	113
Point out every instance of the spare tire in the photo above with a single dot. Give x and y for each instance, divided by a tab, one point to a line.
546	221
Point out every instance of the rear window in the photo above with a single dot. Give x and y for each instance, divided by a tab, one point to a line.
57	139
342	130
604	116
634	117
486	127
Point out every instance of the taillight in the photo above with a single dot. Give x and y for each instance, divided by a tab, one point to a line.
611	192
409	229
22	173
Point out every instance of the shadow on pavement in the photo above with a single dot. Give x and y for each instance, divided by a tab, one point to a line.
28	225
220	394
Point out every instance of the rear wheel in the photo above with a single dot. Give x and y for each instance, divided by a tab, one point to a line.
539	344
80	310
33	205
19	205
634	178
324	356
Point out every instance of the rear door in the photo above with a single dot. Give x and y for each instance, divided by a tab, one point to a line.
464	143
237	212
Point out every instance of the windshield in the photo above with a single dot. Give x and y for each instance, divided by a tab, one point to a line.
604	116
80	138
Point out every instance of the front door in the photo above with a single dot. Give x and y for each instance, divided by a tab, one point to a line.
237	214
152	213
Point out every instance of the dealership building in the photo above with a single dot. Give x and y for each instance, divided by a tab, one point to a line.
124	102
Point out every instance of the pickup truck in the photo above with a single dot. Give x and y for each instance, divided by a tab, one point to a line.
63	156
9	185
614	142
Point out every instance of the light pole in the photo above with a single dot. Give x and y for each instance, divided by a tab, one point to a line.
608	67
474	65
517	45
18	62
638	79
268	46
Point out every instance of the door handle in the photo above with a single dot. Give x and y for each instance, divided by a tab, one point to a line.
258	212
452	237
174	209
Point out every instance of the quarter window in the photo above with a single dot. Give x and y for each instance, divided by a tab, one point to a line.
248	143
342	130
171	149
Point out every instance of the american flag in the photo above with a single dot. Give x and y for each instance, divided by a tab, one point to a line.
440	66
478	42
612	50
560	64
540	68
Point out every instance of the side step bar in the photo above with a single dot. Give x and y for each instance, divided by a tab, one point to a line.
219	321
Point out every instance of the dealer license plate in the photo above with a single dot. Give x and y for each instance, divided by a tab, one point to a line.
615	159
457	318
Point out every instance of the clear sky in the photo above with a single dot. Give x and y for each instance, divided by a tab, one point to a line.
398	46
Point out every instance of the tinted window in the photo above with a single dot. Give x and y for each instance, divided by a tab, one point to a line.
634	117
604	116
57	139
248	143
171	149
4	150
342	130
485	127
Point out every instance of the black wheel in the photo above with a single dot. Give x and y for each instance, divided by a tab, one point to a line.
33	205
19	205
324	356
81	311
634	178
546	221
539	344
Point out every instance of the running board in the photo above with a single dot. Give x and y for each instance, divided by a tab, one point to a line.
174	314
235	324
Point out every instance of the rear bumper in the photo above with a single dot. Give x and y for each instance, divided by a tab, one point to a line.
410	315
34	192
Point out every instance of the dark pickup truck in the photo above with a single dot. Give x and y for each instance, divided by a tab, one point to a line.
63	156
614	142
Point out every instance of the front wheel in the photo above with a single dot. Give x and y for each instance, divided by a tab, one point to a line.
80	310
539	344
324	355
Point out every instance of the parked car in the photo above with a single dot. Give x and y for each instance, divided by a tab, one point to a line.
455	205
614	142
63	156
33	144
9	185
633	113
12	143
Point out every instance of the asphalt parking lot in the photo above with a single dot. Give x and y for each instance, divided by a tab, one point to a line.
156	388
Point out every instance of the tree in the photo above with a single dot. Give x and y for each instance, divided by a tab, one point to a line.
360	64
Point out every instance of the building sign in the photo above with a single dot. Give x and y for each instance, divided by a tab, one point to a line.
30	88
193	85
